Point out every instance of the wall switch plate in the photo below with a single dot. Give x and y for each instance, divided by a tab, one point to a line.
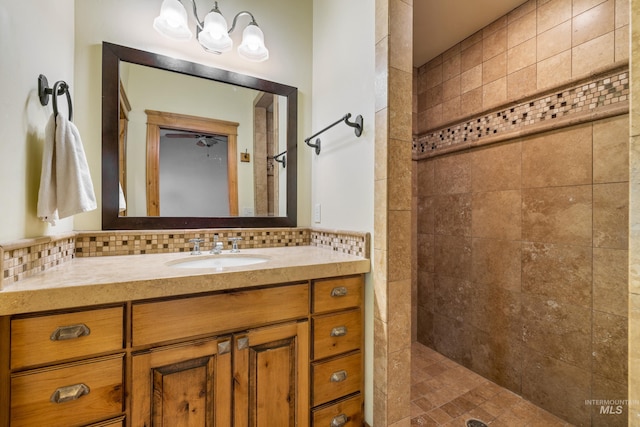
317	212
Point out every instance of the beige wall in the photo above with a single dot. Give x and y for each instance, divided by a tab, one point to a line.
288	35
529	50
24	25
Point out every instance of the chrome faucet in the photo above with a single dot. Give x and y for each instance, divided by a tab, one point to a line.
234	242
196	246
217	246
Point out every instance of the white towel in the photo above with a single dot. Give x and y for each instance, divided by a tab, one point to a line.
65	184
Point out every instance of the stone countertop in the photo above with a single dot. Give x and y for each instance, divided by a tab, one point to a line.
113	279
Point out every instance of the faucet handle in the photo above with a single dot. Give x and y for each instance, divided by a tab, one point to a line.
234	242
196	246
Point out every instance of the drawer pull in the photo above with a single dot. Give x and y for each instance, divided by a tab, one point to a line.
70	332
339	291
339	421
68	393
338	376
339	331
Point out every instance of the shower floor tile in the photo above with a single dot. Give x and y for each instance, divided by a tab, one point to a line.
444	393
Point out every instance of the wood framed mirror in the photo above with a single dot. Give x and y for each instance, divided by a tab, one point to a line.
113	56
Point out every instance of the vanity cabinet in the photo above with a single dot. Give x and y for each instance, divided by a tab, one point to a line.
336	352
66	368
285	355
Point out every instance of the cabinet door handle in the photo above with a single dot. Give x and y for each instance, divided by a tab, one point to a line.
339	291
70	332
68	393
339	421
339	331
338	376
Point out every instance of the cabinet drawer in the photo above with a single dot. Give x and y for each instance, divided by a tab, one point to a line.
337	294
68	395
336	378
56	337
336	333
347	413
160	321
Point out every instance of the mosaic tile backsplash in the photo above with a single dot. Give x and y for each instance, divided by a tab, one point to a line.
587	97
23	259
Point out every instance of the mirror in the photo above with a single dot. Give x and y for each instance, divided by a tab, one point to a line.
133	135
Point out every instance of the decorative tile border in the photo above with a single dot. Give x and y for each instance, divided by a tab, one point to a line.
103	243
588	97
25	258
347	242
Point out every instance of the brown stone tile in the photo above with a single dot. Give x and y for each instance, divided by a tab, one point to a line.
452	297
439	416
521	29
451	67
472	100
622	13
451	89
430	97
554	70
496	263
494	43
554	41
552	14
579	6
471	41
399	254
494	93
558	387
564	156
494	68
453	338
452	409
521	56
423	420
521	83
557	215
496	214
400	40
453	174
558	330
604	389
497	354
611	215
621	42
558	272
610	281
426	253
426	290
471	79
426	178
610	339
611	150
453	256
433	76
400	114
453	214
425	215
471	56
497	167
593	23
591	55
451	109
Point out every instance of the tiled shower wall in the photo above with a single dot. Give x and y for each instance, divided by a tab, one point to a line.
522	243
522	265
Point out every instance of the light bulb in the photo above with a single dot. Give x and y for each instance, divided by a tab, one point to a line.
252	46
172	21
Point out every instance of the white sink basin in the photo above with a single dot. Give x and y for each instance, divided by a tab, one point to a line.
218	261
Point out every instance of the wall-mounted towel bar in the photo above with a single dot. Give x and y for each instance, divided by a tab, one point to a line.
357	125
59	88
280	158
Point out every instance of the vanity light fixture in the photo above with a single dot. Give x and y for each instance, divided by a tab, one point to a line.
212	33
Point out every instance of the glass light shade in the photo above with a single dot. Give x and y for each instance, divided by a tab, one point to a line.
172	21
214	35
252	47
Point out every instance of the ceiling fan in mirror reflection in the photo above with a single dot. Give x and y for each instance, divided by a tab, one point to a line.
213	33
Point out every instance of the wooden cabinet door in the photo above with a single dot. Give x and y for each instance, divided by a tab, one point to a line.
187	385
271	376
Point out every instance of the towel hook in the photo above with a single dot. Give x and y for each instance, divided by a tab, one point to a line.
59	88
